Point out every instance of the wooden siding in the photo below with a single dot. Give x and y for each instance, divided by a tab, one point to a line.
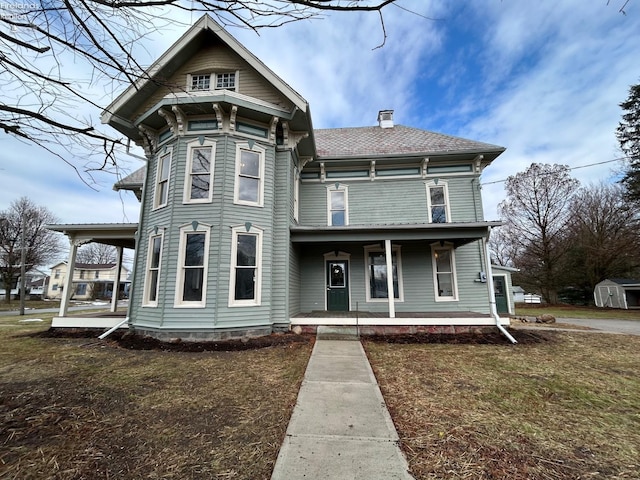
391	201
281	214
218	57
221	214
417	276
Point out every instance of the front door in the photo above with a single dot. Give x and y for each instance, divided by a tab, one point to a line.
501	294
338	285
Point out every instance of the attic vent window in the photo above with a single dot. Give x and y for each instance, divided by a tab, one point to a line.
226	81
200	82
385	118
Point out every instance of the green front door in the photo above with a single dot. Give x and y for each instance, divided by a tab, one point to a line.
338	285
500	291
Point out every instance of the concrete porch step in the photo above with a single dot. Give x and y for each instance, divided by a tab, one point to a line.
337	332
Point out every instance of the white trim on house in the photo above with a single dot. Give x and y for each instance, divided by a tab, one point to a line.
452	262
146	300
296	193
433	184
337	188
257	298
376	248
186	230
400	321
239	174
161	197
193	146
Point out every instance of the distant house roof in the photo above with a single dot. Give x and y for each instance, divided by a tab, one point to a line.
399	140
624	281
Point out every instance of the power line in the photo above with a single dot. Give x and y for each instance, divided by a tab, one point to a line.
571	168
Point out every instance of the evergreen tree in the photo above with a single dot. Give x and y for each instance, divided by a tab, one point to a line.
628	134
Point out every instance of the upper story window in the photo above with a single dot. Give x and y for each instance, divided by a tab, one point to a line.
438	202
97	275
444	273
249	186
151	283
57	273
226	81
296	193
191	282
246	267
200	82
162	179
198	186
81	274
337	205
212	81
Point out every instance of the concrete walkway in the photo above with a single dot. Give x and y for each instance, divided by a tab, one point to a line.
340	427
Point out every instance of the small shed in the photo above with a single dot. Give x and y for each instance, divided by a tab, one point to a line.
618	293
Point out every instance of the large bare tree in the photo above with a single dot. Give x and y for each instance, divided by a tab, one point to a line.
23	234
42	44
604	232
536	212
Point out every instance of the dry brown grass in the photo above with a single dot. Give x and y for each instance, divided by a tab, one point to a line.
74	408
567	407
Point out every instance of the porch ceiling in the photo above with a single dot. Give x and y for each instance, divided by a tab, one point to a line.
458	233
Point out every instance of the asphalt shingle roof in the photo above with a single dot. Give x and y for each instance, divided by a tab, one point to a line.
363	141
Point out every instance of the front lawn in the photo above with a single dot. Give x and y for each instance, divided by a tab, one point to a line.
575	311
80	408
566	407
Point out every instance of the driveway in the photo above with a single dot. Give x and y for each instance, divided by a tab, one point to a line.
629	327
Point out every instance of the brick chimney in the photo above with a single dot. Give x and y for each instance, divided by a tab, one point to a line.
385	118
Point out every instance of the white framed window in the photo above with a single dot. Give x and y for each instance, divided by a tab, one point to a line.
198	179
97	275
338	205
249	185
163	173
376	262
438	202
81	289
296	194
151	279
444	271
193	260
245	286
200	82
226	81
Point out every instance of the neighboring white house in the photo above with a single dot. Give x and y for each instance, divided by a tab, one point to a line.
90	281
618	293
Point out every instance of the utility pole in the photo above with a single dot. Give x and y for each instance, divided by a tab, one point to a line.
23	260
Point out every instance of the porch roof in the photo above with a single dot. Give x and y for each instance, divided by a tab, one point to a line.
459	233
116	234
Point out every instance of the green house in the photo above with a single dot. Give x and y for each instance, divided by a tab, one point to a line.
252	221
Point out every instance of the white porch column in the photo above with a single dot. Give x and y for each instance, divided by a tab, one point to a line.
388	254
116	282
68	281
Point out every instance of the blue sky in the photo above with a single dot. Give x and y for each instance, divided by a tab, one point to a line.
543	79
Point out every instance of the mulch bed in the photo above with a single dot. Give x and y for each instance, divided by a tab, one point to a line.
480	338
133	341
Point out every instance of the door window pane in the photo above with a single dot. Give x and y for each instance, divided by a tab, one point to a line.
337	275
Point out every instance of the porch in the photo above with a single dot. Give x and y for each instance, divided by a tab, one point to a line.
90	320
401	319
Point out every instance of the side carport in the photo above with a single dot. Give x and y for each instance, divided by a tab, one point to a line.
119	235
